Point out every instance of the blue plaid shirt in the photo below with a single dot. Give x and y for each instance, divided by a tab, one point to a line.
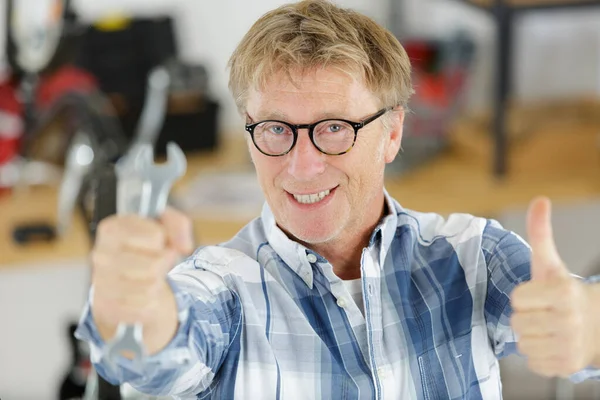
263	317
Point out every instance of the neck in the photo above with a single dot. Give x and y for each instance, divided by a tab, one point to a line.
345	253
345	260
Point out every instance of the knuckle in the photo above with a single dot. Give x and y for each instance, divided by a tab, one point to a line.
157	235
177	216
107	226
139	232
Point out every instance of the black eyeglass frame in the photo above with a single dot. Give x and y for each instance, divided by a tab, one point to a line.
356	125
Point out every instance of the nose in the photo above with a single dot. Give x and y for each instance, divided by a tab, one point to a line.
305	161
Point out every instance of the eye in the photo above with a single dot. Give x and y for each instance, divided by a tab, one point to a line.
277	129
274	128
334	128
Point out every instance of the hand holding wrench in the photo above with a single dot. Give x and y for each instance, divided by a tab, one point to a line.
143	189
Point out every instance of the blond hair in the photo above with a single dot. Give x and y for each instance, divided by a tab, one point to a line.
318	34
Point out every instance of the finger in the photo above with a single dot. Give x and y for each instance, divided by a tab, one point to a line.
548	367
535	323
545	260
130	232
179	230
131	266
539	346
557	294
126	290
559	366
114	311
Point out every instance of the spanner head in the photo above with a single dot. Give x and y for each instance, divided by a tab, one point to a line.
139	163
128	339
171	170
144	186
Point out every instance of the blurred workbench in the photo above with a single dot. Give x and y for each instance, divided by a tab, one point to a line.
555	156
39	204
505	14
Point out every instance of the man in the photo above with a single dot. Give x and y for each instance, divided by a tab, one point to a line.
336	291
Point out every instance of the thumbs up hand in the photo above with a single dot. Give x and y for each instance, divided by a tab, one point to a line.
555	316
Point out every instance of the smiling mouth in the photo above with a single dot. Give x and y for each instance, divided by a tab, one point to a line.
312	198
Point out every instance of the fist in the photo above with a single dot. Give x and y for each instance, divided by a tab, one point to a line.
555	326
554	314
130	260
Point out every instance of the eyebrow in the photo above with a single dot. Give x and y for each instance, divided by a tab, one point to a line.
279	115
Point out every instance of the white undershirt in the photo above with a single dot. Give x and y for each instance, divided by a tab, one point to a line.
354	287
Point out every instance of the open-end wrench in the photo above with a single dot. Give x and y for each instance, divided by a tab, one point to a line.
78	164
143	189
155	109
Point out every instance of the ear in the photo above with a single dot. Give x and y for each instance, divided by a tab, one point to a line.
395	138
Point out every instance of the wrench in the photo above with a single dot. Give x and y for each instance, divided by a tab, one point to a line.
78	164
143	189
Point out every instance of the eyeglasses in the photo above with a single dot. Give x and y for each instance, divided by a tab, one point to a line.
330	136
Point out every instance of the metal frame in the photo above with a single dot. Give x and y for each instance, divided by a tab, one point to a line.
504	15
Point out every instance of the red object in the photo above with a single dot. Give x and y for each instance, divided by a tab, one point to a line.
66	79
11	123
50	89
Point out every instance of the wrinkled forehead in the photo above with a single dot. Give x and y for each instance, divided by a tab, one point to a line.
331	90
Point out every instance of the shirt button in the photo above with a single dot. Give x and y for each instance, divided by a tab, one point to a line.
311	258
381	373
341	302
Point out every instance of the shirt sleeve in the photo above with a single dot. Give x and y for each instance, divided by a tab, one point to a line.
508	260
209	321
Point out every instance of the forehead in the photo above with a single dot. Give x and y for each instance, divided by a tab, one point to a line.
310	94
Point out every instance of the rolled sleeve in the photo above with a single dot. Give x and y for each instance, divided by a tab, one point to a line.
508	260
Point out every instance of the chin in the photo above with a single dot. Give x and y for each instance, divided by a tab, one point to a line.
314	238
312	227
315	234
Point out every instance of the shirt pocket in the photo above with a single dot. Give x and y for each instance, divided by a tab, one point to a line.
451	370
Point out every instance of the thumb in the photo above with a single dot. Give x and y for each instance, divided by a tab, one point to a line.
179	230
545	260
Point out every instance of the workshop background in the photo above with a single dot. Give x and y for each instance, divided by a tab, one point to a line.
507	107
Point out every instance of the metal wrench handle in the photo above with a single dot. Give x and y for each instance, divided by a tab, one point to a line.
155	107
78	164
143	189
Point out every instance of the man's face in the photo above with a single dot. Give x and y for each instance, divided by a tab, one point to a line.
347	189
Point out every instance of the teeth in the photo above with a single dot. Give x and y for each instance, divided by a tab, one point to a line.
311	198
